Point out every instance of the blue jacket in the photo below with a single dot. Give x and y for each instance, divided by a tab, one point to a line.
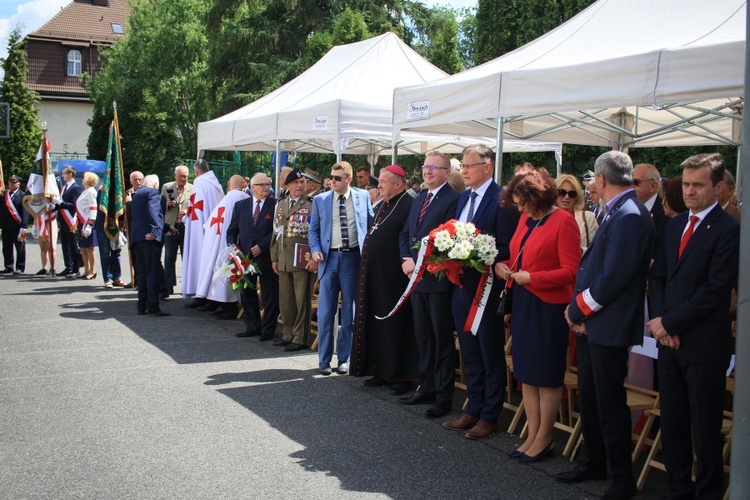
147	215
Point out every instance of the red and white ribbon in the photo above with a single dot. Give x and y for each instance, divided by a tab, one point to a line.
479	304
12	207
425	249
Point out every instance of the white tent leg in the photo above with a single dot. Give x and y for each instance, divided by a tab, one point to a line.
499	152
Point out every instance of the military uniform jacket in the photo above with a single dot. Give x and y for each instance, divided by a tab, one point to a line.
292	226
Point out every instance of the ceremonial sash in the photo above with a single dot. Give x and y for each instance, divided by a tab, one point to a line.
12	207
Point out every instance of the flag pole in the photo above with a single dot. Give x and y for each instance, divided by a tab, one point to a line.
48	221
122	177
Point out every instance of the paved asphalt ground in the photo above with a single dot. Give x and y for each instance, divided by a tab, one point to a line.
97	402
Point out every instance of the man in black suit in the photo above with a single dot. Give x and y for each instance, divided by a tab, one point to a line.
13	221
646	181
251	229
66	207
146	237
483	353
691	283
431	302
607	314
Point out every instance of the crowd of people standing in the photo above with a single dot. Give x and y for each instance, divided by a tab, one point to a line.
590	271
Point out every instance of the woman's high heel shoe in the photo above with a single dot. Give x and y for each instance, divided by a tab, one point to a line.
549	451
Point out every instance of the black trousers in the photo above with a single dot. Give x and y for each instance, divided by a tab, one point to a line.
150	274
269	291
692	400
10	242
172	245
605	416
71	252
433	327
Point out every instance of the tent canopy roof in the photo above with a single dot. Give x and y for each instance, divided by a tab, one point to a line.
637	67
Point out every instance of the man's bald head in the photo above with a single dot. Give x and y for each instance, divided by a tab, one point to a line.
236	182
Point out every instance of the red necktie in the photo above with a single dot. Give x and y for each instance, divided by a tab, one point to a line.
424	207
256	212
688	234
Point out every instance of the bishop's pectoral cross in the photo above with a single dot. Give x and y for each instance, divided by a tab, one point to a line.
193	207
218	220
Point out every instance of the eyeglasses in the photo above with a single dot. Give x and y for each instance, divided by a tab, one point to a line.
268	184
467	165
571	194
432	168
637	182
337	178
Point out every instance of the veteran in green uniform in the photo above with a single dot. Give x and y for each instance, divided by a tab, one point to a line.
292	221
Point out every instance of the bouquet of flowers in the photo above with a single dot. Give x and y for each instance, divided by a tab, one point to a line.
237	269
454	245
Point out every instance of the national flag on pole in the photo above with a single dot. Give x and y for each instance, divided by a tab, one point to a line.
41	184
111	205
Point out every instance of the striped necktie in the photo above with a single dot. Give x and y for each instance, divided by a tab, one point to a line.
424	207
473	197
343	222
256	212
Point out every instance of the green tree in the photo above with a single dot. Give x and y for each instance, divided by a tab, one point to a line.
19	150
158	75
440	45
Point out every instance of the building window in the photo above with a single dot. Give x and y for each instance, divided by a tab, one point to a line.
74	63
117	29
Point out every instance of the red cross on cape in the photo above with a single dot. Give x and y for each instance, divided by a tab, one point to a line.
218	220
193	207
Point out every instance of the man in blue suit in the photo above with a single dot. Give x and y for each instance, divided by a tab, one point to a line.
337	232
607	315
146	236
66	206
691	283
483	353
251	229
431	303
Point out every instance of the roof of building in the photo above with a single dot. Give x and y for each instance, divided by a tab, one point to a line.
84	20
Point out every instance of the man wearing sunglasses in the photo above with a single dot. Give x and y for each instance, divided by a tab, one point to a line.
337	232
646	180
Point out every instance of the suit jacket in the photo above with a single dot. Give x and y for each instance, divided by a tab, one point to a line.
243	233
660	220
294	227
69	198
442	208
692	294
612	276
322	221
147	215
6	219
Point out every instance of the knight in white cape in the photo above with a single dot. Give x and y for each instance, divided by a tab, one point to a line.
207	193
215	244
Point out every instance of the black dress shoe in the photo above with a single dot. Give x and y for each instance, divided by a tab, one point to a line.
7	271
195	303
141	313
375	382
41	272
65	272
417	398
620	492
266	338
246	334
72	276
208	307
295	347
157	312
580	474
400	388
438	410
281	343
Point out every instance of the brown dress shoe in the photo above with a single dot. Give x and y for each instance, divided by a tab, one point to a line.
482	429
465	422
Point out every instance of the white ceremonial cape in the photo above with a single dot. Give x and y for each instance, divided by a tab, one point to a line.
214	242
207	193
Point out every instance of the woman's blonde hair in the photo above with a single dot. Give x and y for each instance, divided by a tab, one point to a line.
90	179
576	185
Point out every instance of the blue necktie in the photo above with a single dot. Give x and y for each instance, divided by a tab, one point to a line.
473	197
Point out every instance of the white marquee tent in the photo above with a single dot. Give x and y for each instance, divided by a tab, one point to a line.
342	104
622	73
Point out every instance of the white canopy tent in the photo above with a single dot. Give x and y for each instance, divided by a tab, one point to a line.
622	73
342	104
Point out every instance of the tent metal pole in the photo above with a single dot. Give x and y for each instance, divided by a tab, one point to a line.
277	168
499	152
739	486
394	156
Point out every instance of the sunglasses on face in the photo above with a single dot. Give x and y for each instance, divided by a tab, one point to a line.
337	178
638	182
571	194
262	185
